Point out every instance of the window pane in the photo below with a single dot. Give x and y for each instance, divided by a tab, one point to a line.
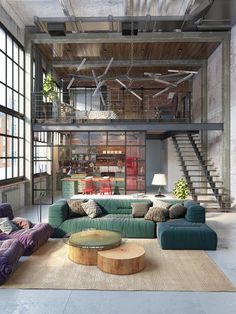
2	169
21	82
98	138
21	104
79	138
9	125
9	168
3	146
15	167
3	67
15	147
135	138
15	126
9	72
15	77
116	138
9	46
21	61
15	48
2	95
9	98
15	101
2	123
21	128
21	167
9	147
21	148
2	40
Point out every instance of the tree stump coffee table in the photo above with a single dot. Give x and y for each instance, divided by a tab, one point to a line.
84	245
125	259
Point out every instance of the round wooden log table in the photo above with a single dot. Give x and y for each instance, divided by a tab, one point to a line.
84	245
126	259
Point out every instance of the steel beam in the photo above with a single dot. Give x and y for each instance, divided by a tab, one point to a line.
90	64
129	126
151	37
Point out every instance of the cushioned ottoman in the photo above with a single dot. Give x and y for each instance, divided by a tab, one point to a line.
180	234
10	252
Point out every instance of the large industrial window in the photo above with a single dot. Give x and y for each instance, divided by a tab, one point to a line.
12	107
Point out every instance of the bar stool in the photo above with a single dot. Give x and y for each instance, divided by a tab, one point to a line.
88	186
105	185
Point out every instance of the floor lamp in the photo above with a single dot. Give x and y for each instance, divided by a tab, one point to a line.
159	179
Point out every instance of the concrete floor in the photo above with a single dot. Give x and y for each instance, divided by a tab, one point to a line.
16	301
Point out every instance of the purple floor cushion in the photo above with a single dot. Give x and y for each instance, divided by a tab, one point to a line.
10	252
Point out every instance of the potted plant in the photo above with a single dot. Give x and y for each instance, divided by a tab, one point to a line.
181	189
50	94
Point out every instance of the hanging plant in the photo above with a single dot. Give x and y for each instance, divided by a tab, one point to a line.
49	88
181	189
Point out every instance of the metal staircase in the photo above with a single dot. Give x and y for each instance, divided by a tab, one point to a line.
203	182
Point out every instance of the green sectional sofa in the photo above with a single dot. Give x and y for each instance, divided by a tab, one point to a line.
117	216
187	233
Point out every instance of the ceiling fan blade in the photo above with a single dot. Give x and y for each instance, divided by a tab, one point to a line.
97	82
122	84
81	64
164	82
99	85
129	90
184	79
136	95
183	71
161	92
70	83
152	74
108	66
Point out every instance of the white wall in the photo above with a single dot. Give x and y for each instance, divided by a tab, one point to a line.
233	114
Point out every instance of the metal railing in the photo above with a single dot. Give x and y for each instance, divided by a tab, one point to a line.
80	105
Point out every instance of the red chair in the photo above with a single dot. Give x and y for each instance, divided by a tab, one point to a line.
88	186
105	186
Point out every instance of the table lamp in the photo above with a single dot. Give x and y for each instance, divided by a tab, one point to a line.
160	180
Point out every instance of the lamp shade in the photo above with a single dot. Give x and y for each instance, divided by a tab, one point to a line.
159	179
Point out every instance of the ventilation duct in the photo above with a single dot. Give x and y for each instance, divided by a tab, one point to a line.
57	29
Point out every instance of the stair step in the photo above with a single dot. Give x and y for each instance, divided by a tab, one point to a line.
206	182
197	165
205	188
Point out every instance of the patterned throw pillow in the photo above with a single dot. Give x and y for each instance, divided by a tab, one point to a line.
91	209
156	214
139	210
177	211
22	223
160	204
75	208
7	226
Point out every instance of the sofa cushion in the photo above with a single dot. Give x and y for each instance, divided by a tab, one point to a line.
160	204
180	234
156	214
139	210
22	223
75	208
91	209
125	224
195	213
177	211
7	226
189	203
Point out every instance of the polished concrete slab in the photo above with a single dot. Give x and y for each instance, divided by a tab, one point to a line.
133	302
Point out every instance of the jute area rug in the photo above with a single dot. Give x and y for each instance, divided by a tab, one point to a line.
165	270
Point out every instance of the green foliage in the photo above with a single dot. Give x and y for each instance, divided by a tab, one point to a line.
181	189
49	88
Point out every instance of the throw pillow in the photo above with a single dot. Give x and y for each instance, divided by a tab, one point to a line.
22	223
139	210
156	214
75	208
160	204
177	211
7	226
91	209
